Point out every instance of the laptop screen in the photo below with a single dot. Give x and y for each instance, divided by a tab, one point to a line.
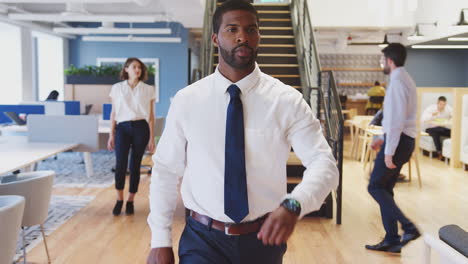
15	118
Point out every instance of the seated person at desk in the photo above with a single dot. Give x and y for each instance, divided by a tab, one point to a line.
375	91
435	121
53	96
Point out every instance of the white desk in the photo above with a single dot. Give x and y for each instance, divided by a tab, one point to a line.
104	128
16	152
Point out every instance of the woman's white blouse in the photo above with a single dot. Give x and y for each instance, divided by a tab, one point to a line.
131	104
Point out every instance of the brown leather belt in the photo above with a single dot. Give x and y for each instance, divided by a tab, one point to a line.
230	229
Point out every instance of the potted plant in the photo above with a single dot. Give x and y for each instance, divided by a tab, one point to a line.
105	74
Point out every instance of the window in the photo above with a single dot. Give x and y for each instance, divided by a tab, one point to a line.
49	65
10	66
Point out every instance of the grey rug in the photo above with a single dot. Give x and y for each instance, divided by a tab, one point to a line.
70	169
61	209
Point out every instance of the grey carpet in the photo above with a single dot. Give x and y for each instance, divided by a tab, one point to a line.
61	209
70	169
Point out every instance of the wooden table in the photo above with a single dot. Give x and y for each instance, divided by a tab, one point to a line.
17	153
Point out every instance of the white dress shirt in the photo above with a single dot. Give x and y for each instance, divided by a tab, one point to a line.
192	146
132	104
399	112
428	116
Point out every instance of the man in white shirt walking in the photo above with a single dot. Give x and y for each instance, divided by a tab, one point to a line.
396	148
434	121
228	137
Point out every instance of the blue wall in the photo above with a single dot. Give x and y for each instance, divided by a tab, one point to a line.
173	57
438	68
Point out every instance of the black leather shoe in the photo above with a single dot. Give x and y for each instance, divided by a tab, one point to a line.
386	246
129	210
117	208
409	236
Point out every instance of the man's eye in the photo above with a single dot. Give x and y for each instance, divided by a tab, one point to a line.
231	30
252	30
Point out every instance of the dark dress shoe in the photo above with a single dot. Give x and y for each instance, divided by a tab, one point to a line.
386	246
409	236
129	209
117	208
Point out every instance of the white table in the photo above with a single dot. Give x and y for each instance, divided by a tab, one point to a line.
16	152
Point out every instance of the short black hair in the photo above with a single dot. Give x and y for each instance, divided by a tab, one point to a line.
396	52
377	83
442	98
230	6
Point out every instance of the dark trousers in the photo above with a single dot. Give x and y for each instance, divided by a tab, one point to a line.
200	244
132	135
436	133
381	184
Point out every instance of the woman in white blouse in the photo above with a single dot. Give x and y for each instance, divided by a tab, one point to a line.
132	120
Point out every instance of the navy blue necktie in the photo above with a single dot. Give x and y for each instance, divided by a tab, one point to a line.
236	204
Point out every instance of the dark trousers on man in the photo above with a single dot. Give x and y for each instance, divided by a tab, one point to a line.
436	133
381	184
132	135
202	244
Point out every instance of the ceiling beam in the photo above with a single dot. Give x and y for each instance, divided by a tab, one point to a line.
132	39
104	30
55	17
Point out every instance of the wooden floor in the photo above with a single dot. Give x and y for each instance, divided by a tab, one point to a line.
93	235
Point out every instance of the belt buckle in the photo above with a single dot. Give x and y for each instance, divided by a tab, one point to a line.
226	230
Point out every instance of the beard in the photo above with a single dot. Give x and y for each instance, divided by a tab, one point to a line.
386	70
230	57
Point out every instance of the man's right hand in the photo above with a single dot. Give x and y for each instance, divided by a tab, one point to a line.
163	255
376	144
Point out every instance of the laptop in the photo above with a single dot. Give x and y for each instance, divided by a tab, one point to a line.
15	118
88	109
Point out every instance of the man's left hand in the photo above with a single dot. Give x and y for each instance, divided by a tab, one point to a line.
389	162
278	227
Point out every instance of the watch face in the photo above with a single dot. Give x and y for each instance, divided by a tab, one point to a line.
292	205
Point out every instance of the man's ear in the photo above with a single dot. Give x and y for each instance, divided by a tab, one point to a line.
214	39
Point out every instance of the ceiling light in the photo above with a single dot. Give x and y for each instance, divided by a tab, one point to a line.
88	18
417	32
126	31
132	39
457	39
439	46
463	17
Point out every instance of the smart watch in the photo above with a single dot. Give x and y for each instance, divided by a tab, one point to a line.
292	205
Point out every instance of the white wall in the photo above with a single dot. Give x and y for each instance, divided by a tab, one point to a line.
362	13
10	68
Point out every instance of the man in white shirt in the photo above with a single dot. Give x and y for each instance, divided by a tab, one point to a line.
396	148
228	137
435	121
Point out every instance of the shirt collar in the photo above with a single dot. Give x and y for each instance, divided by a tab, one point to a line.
397	71
245	84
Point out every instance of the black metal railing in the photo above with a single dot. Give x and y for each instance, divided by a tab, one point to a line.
207	48
328	103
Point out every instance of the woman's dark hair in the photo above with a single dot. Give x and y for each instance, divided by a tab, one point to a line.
53	96
377	83
396	52
144	71
230	6
442	98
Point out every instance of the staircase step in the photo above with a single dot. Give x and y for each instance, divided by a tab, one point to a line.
285	14
278	36
277	40
289	32
277	48
275	20
274	23
274	11
279	70
271	6
276	28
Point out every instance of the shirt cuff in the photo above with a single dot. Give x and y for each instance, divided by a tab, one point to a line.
161	239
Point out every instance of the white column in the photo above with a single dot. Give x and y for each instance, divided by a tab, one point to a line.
27	65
